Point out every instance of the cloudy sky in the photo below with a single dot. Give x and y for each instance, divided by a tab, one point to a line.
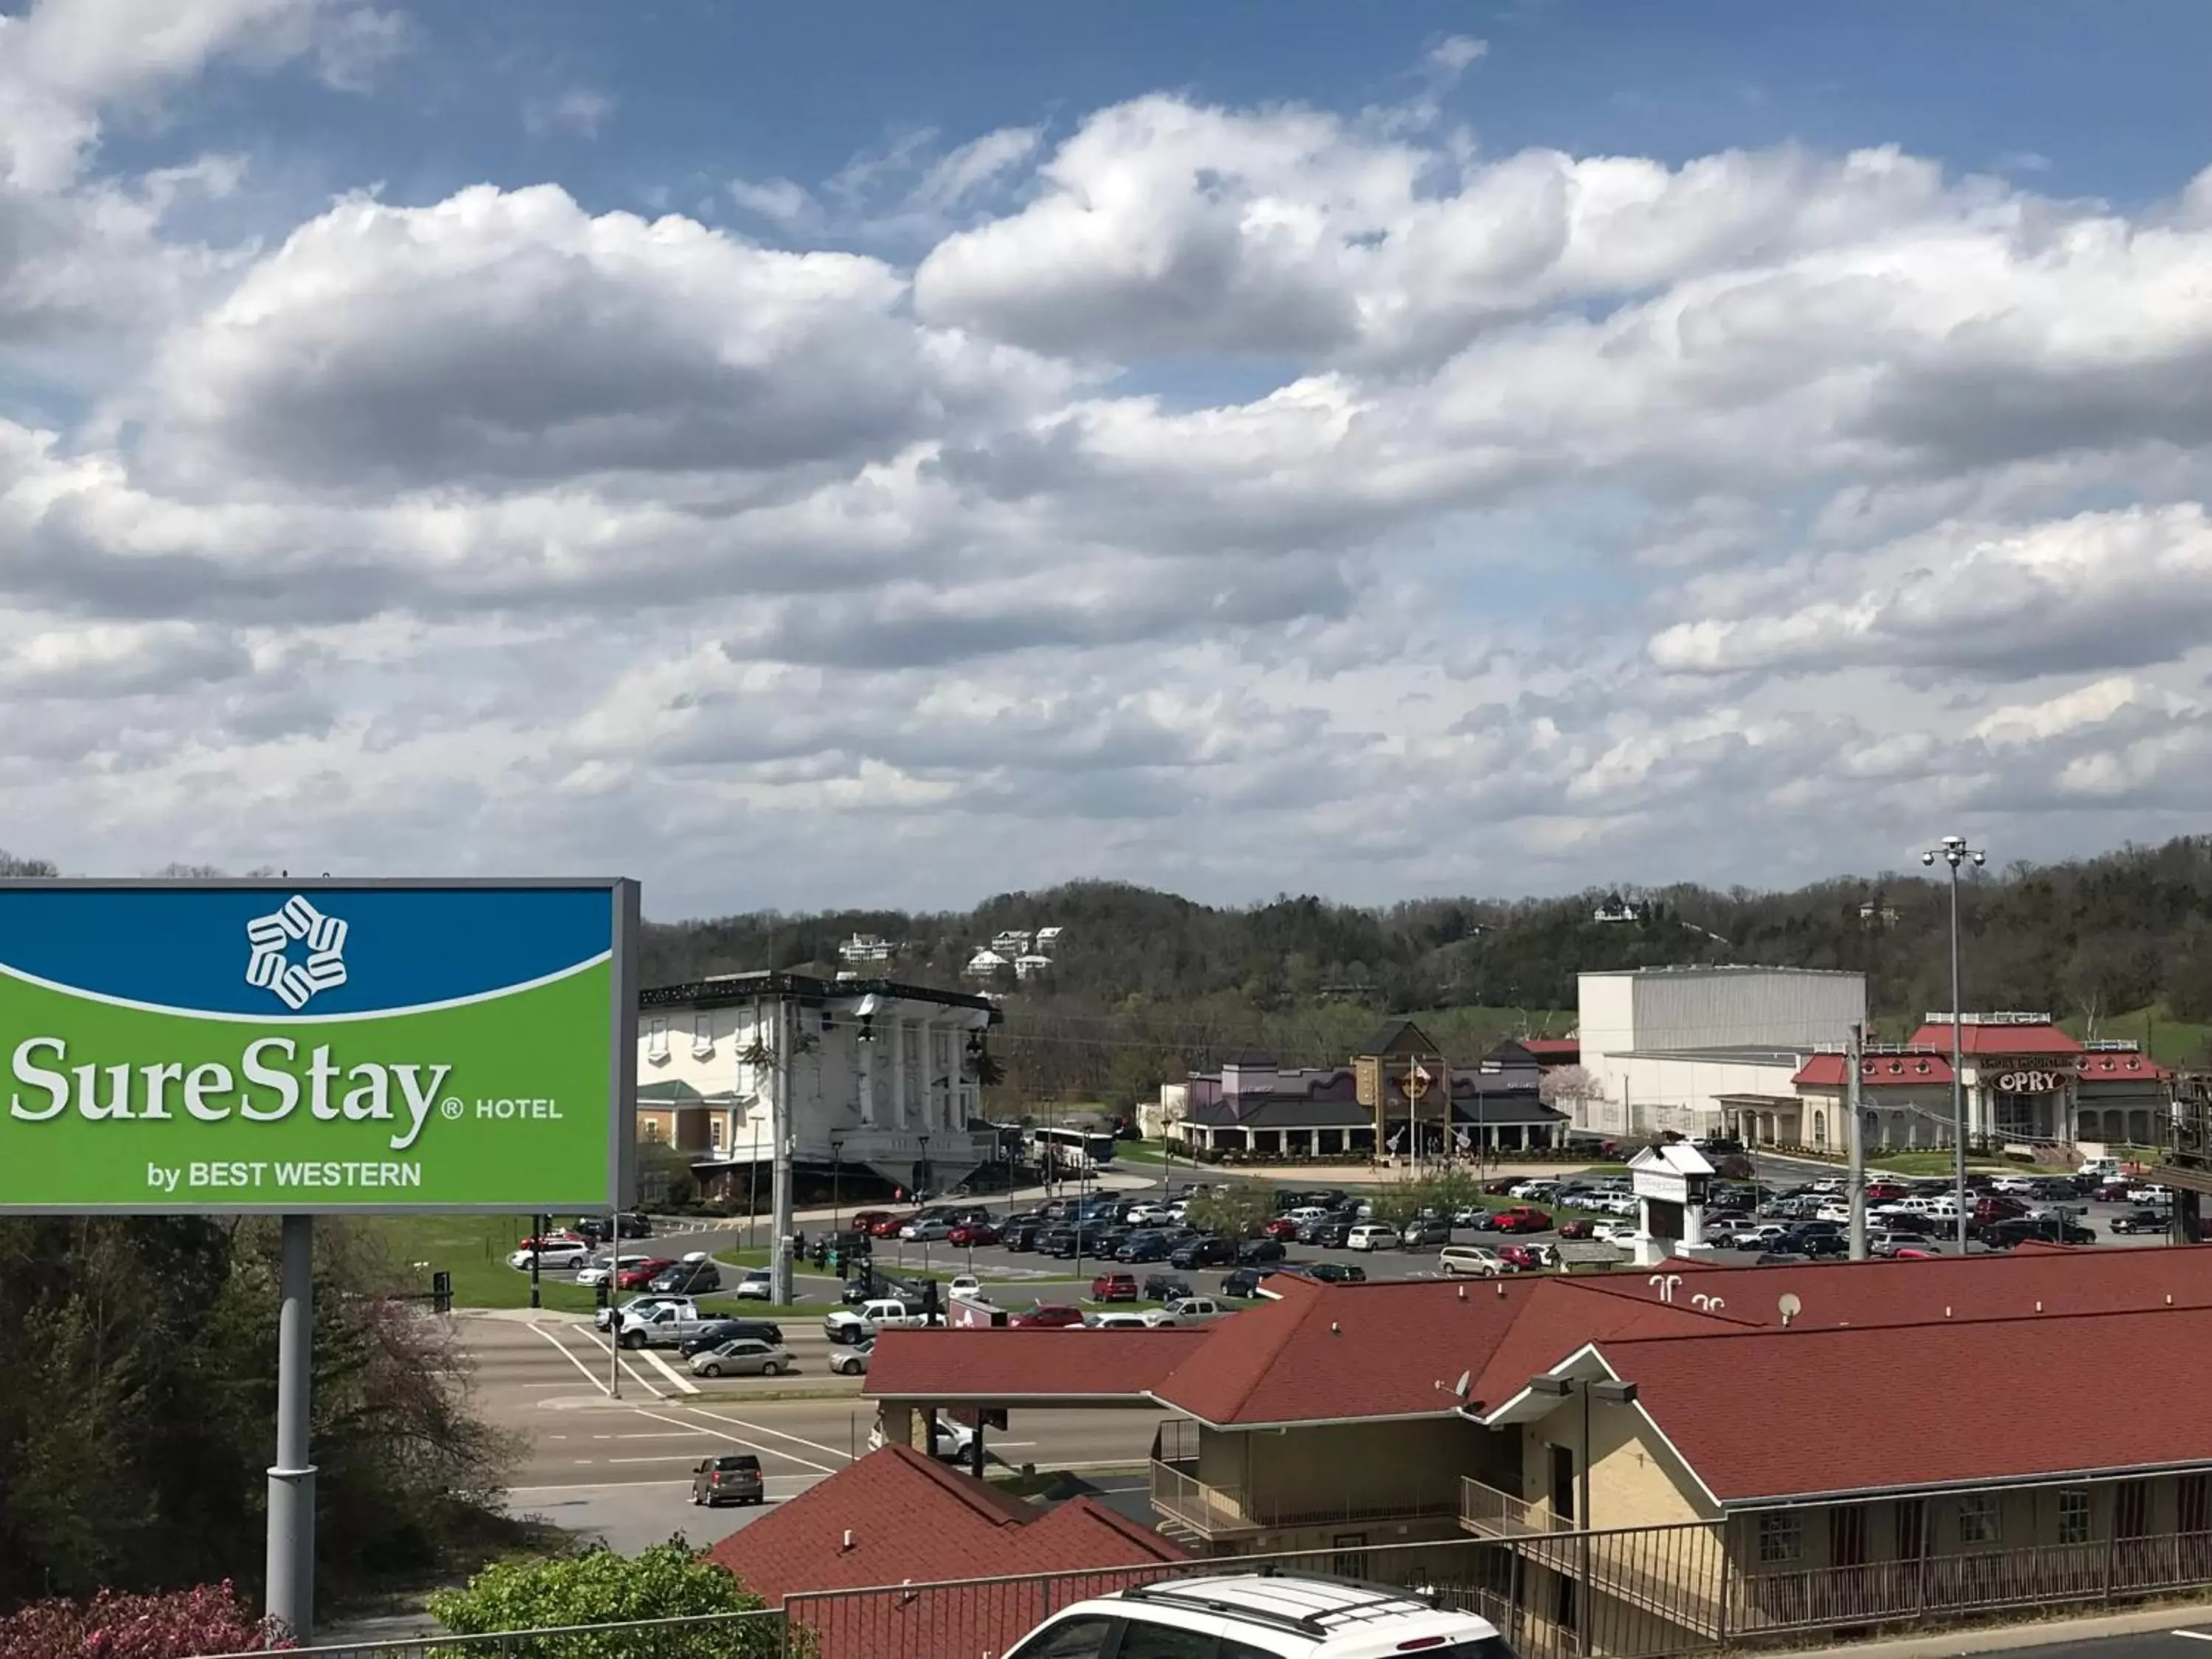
885	453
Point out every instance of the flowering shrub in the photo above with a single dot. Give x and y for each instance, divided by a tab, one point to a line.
167	1625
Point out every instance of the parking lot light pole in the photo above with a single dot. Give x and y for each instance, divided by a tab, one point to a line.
836	1170
1953	851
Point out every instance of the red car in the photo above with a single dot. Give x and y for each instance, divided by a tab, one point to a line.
552	1241
1281	1227
1498	1188
638	1277
1114	1287
1521	1258
866	1221
1523	1218
1042	1317
888	1226
1884	1191
1580	1227
973	1232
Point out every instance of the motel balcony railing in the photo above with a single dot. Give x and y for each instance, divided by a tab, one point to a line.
1219	1512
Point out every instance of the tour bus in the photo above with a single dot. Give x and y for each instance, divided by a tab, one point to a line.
1081	1151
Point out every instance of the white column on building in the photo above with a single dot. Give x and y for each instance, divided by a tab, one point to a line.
899	1119
926	1041
867	1059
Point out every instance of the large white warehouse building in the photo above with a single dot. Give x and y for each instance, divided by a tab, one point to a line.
1705	1051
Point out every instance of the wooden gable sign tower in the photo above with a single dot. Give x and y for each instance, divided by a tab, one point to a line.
1404	1078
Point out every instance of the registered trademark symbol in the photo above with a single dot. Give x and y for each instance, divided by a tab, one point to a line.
450	1107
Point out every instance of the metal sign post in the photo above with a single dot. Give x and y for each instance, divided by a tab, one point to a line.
291	1557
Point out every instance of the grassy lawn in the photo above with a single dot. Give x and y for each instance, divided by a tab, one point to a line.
2172	1042
474	1249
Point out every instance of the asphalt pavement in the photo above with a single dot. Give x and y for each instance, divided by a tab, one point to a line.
618	1468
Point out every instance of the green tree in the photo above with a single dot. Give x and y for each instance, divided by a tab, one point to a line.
598	1587
1232	1212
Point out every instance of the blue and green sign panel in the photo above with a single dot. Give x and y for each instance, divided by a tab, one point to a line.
316	1046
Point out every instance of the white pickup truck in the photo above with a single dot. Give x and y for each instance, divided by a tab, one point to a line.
884	1314
1183	1310
662	1325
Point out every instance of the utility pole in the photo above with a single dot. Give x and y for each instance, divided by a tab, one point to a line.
1953	851
291	1542
780	1196
1854	1047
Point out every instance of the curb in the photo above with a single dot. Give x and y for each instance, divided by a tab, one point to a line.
1995	1639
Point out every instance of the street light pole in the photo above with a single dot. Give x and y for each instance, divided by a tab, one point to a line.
1953	851
836	1170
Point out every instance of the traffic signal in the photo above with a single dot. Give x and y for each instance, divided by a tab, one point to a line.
441	1292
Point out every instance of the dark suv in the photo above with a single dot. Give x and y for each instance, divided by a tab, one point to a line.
689	1276
733	1478
1208	1252
716	1332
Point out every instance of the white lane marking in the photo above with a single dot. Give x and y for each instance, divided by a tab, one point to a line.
679	1457
651	1434
762	1428
562	1348
2194	1635
739	1439
604	1346
684	1384
804	1480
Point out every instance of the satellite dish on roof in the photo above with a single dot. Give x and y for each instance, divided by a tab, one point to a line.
1460	1388
1790	1307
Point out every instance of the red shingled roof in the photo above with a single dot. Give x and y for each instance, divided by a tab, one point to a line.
914	1519
1561	1049
1875	1070
2016	1285
2121	1066
1921	1410
1005	1367
1996	1039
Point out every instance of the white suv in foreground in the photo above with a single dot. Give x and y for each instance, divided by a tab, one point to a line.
1251	1615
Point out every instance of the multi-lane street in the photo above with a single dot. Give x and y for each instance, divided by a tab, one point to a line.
619	1467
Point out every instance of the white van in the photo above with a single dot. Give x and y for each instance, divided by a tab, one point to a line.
1469	1261
1372	1235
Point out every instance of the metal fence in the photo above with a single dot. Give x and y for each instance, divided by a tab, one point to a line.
1631	1593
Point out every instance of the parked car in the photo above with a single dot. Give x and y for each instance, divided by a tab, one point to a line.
2140	1221
1165	1287
1021	1237
1183	1310
964	1285
2148	1193
973	1235
1332	1273
1259	1252
1149	1245
1523	1218
1329	1233
1372	1235
1045	1317
1581	1227
1469	1261
1527	1258
866	1221
852	1361
637	1278
1423	1232
1114	1287
1203	1252
745	1357
1244	1284
731	1478
1283	1227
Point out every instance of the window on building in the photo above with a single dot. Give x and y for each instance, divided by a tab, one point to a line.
652	1128
1911	1528
2131	1510
656	1038
1781	1538
703	1036
2074	1517
714	1131
1978	1521
2194	1493
1350	1560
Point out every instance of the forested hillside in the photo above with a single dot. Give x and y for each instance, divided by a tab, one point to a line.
1146	980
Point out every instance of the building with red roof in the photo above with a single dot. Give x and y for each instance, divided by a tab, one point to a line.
895	1517
2024	1080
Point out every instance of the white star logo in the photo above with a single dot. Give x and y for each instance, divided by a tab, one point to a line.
270	965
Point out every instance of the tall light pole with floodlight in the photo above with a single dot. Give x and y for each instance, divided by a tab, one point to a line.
1954	852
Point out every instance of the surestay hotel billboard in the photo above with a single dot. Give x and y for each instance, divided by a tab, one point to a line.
303	1047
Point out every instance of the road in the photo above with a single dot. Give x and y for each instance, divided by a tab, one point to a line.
2185	1641
619	1469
